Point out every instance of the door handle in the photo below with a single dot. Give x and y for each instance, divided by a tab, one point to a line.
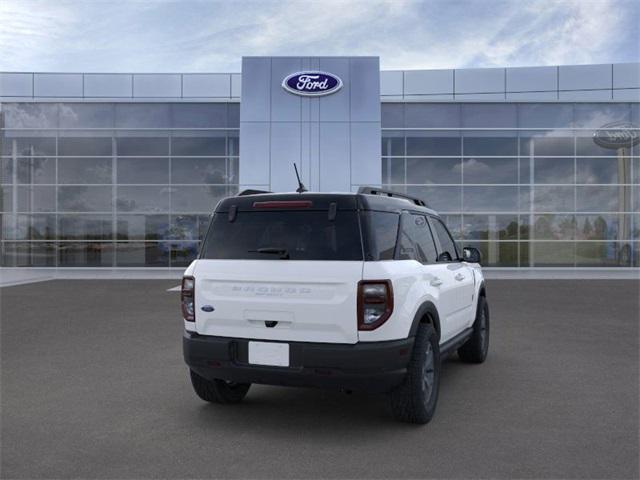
436	282
459	277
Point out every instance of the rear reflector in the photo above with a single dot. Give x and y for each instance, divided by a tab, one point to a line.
284	204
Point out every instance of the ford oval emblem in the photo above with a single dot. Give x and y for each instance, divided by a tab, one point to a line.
617	135
312	83
207	308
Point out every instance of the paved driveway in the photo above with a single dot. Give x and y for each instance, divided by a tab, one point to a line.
93	386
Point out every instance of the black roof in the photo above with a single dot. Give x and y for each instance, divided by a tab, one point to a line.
321	201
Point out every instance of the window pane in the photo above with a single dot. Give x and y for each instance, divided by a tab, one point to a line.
29	146
6	170
382	228
30	115
553	199
84	170
441	199
490	199
597	115
85	227
28	227
92	254
418	145
490	146
142	227
79	115
586	146
197	199
37	254
198	146
551	254
539	144
36	170
142	115
199	170
602	198
181	254
603	254
454	224
36	199
392	145
84	146
603	170
604	227
490	227
554	227
497	254
553	170
434	170
84	199
427	115
185	227
143	199
142	254
489	115
490	170
393	171
545	115
199	115
143	170
142	146
392	115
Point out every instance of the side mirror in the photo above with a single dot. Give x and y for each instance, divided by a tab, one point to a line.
471	255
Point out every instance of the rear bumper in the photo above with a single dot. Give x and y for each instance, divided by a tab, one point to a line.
369	367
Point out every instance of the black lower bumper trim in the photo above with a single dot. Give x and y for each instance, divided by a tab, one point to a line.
370	366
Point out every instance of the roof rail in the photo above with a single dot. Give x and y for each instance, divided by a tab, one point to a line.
390	193
250	191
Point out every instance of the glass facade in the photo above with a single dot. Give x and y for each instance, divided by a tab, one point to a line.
525	183
113	184
133	184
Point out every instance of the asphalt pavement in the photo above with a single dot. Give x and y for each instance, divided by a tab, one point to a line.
93	386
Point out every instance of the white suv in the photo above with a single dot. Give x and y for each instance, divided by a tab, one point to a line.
355	291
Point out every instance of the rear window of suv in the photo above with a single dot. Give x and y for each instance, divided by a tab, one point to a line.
275	235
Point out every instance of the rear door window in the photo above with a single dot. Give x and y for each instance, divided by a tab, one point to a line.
416	242
275	235
447	252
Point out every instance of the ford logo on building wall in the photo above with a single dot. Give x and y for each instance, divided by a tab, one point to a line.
617	135
312	83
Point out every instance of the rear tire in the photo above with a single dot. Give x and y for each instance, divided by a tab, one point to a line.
476	348
415	400
218	391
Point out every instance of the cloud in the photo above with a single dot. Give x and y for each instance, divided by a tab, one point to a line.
195	35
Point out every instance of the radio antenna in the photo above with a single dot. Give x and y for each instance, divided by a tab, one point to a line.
301	188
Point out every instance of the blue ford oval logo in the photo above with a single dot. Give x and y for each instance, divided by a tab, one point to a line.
207	308
617	135
312	83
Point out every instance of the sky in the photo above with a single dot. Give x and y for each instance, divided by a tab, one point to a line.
212	36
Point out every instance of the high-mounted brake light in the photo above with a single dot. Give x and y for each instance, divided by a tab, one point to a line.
284	204
375	303
187	297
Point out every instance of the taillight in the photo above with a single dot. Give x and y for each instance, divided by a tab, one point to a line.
187	297
375	303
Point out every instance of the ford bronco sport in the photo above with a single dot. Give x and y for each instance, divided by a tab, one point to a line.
358	291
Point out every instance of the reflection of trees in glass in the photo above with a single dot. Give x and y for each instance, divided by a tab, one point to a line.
71	198
555	227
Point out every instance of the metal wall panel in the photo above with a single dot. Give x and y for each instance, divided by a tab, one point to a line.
627	95
585	77
391	83
585	95
159	86
57	85
626	75
479	80
428	82
108	85
206	85
16	85
532	79
335	107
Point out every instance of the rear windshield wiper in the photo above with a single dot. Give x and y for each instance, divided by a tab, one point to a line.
284	254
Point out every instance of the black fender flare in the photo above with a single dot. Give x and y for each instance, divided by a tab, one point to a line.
482	289
427	308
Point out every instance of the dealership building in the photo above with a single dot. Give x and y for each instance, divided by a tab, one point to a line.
537	167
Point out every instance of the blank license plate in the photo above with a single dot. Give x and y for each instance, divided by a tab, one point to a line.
268	353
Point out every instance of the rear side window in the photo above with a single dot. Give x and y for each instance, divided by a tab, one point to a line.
416	242
447	245
275	235
382	228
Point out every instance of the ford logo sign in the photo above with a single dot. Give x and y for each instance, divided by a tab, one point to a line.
312	83
617	135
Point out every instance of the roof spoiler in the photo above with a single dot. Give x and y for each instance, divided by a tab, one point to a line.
390	193
250	191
